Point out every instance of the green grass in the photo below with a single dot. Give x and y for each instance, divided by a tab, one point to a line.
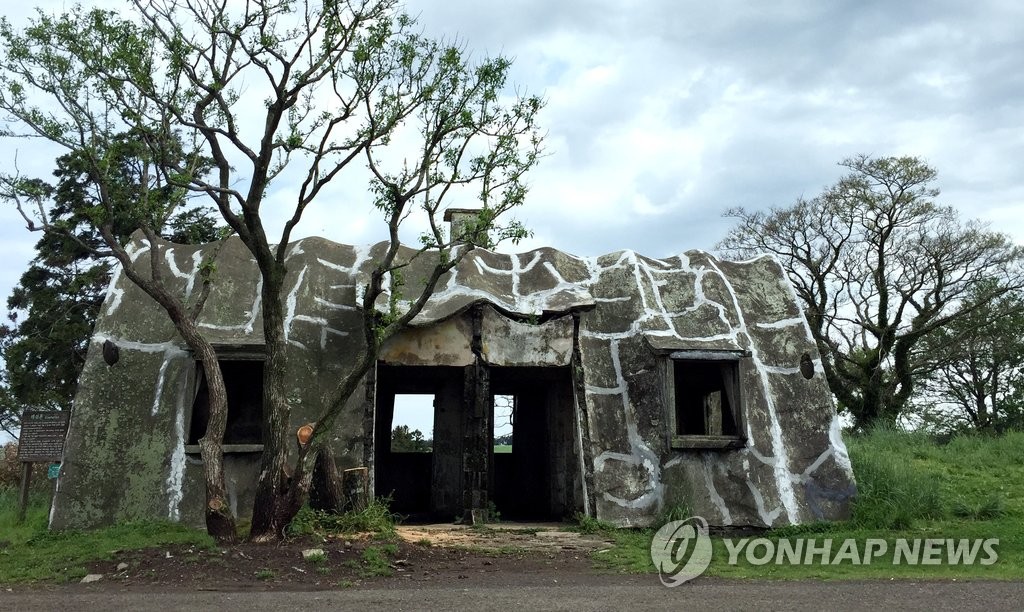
30	553
896	483
503	448
377	560
630	553
36	517
909	487
377	519
588	524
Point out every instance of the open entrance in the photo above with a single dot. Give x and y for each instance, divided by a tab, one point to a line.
418	440
527	441
536	479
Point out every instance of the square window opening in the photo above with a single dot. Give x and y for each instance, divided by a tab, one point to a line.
706	398
243	381
412	426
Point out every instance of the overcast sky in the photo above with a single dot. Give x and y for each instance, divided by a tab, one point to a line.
662	114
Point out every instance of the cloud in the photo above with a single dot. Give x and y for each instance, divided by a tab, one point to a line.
660	115
663	114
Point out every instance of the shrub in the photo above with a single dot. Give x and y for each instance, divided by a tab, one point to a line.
588	524
376	518
10	470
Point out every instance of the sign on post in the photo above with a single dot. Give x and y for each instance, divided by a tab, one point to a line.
42	439
42	435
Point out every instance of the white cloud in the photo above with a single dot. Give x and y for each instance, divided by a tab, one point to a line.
662	114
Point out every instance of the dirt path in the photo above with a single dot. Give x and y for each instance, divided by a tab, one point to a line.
533	537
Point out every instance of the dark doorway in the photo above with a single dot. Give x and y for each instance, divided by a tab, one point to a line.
537	480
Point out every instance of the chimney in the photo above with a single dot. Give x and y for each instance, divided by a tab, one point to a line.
457	219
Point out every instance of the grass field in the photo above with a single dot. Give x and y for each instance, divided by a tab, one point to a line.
503	448
909	487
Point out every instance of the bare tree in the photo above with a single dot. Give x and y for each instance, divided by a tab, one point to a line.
879	266
338	84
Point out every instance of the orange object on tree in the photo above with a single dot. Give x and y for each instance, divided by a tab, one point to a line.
304	433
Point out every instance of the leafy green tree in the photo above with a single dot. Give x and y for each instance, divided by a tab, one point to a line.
978	366
10	409
404	440
879	266
338	82
54	306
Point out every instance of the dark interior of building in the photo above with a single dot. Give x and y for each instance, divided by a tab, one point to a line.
537	480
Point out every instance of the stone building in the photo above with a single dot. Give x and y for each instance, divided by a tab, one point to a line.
638	385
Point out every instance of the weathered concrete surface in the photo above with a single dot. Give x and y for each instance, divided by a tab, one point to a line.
127	458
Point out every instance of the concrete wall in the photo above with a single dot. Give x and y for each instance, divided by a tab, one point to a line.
126	456
614	320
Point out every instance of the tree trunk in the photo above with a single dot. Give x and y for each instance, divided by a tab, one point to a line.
273	483
982	420
356	485
326	492
294	491
220	523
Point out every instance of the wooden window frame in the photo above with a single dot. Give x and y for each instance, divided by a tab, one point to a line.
677	441
226	352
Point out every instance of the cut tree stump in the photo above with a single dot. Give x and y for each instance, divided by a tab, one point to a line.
327	492
355	483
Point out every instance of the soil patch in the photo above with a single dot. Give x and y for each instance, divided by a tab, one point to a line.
494	555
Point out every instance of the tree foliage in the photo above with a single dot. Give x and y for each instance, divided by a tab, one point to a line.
291	91
115	184
55	304
978	377
879	266
404	440
503	440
